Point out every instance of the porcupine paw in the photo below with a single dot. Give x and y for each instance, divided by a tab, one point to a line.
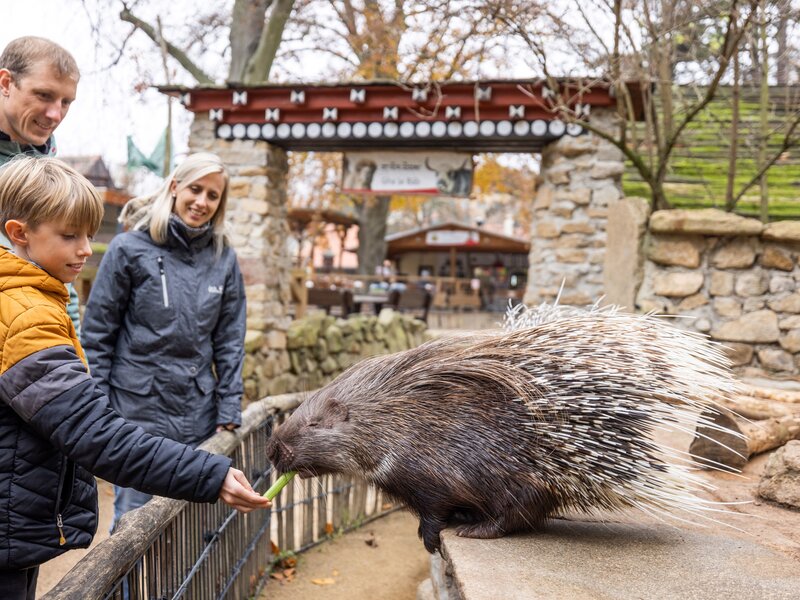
484	530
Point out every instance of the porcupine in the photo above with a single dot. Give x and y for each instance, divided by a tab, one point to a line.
495	433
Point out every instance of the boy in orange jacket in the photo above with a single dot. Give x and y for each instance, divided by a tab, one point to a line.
56	426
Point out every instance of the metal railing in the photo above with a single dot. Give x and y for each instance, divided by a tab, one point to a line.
171	549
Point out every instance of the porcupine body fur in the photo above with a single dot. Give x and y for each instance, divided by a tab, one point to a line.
495	433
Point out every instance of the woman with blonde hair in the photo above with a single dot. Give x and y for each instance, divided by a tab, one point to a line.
165	321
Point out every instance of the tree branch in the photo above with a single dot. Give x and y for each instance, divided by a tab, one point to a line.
260	64
201	76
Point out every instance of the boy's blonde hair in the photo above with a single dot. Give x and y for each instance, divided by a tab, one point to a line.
151	212
46	190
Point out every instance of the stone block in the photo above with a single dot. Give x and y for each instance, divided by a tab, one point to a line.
783	231
721	283
774	359
753	304
707	221
571	255
787	304
781	283
253	341
792	322
578	227
751	284
276	340
605	195
677	284
580	197
547	229
702	325
727	307
562	209
675	251
692	302
259	207
608	169
773	257
791	341
544	198
560	173
780	481
738	354
756	327
738	253
571	147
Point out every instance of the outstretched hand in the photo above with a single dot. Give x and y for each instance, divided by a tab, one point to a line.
237	493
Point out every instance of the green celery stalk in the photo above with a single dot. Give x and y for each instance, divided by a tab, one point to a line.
279	484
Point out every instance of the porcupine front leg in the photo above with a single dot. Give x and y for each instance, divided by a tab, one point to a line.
429	528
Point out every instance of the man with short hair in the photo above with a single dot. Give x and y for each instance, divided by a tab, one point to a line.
38	82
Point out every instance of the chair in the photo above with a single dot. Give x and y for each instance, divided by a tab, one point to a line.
330	299
412	300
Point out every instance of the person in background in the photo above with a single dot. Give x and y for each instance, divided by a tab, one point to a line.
56	424
164	325
38	83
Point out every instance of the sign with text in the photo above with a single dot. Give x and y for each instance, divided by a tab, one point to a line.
452	237
437	173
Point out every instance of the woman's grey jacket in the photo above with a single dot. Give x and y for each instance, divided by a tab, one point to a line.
164	333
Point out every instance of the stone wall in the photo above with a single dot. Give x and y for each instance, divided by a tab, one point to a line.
738	278
580	176
320	347
257	210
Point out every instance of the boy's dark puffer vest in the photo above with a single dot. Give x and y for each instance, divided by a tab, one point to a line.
56	427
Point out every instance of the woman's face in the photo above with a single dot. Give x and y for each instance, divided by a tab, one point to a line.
197	203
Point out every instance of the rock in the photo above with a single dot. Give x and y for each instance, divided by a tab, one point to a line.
276	340
674	251
580	197
560	173
321	349
334	339
562	209
253	341
791	341
569	255
728	307
792	322
790	303
721	283
605	196
708	221
547	229
781	283
572	146
329	365
775	258
784	231
757	327
692	302
753	304
739	253
775	359
677	284
780	481
739	354
702	325
544	198
751	284
608	169
578	227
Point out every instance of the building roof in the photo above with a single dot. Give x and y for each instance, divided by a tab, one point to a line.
460	236
95	170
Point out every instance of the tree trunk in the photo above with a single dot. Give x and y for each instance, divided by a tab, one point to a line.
247	23
734	141
763	116
372	214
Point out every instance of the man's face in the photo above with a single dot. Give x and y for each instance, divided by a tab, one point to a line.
32	106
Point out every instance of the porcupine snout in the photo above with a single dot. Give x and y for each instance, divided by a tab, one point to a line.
279	454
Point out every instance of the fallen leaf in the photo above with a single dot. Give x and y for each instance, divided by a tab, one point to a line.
323	581
387	506
274	547
276	575
371	540
328	528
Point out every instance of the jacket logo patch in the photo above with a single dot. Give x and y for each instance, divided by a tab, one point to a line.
215	289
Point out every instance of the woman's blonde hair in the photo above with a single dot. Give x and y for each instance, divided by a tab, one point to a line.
151	212
46	190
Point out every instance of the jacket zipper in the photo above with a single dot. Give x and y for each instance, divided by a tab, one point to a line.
59	522
163	282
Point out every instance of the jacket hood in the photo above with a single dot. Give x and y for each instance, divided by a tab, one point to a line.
16	272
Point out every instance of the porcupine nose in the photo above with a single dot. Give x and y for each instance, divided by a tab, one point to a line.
276	452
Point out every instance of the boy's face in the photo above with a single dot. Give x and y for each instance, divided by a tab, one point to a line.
60	250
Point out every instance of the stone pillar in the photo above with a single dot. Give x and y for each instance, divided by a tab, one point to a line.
580	177
258	229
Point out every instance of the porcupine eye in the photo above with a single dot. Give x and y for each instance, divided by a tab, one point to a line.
312	423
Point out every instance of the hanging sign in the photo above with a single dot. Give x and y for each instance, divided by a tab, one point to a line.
436	173
452	237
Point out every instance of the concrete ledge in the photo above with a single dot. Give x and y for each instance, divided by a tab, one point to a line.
578	560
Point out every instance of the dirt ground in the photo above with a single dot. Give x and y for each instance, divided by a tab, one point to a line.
384	560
